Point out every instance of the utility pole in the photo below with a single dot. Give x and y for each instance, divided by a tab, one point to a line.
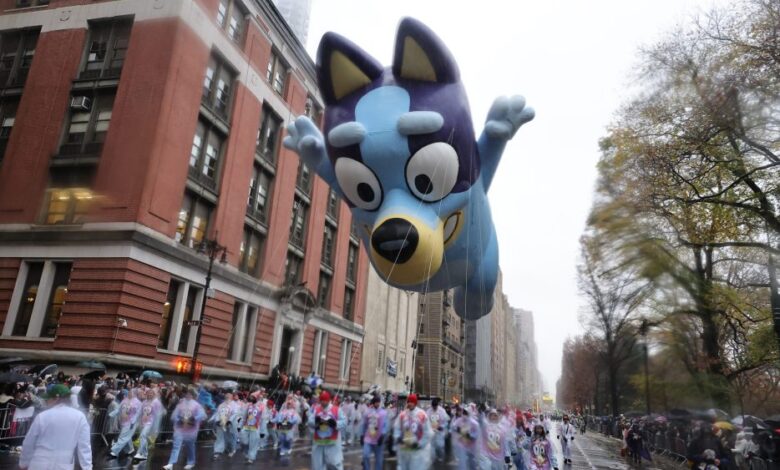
212	249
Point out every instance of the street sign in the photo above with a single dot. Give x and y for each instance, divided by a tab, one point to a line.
205	321
392	368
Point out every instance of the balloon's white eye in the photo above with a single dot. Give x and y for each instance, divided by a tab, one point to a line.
432	172
358	183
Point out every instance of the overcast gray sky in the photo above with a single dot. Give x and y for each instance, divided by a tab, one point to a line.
573	61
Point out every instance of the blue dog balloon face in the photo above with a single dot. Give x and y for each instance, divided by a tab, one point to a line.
399	146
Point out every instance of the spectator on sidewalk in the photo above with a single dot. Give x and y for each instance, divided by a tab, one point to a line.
56	435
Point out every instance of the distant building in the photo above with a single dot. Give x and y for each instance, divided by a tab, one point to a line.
530	382
439	358
387	344
296	13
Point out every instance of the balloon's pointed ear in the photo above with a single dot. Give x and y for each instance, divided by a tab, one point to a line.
343	67
421	55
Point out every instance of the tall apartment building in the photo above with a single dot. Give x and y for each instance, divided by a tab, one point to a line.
296	13
133	131
439	357
527	361
391	315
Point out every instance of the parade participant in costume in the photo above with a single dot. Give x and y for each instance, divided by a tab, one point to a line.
374	426
465	438
542	454
226	425
412	433
353	425
128	413
566	436
547	422
255	432
497	441
392	414
522	435
439	421
327	421
187	417
149	423
287	420
270	410
56	435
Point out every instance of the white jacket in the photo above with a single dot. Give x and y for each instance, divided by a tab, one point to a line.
52	439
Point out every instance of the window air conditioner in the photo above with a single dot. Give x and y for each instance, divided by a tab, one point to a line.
80	103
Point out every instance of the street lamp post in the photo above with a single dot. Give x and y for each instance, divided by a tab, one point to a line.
212	249
643	331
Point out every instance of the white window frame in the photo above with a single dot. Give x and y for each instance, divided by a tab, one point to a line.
320	359
381	360
346	359
244	338
178	319
41	304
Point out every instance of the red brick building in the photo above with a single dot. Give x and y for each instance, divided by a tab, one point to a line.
130	131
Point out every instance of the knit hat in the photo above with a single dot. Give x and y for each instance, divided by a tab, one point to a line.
412	398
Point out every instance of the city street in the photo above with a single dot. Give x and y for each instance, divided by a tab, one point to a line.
591	452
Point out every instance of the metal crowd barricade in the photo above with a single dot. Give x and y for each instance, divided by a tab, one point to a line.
13	427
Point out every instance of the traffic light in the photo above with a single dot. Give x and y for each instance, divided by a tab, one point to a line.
183	366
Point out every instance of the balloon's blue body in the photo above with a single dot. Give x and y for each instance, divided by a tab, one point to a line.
399	146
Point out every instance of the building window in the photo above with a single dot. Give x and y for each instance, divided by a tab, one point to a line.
167	314
40	299
7	119
304	178
67	205
242	336
106	49
90	117
298	222
205	155
27	301
231	17
250	250
293	268
402	365
259	192
31	3
312	110
268	135
333	205
218	86
56	299
194	218
69	196
352	255
346	359
276	74
320	354
186	317
17	49
323	289
380	358
349	303
328	241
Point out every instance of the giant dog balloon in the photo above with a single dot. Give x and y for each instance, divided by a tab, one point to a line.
400	149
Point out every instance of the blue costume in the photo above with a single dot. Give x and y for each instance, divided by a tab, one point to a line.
401	150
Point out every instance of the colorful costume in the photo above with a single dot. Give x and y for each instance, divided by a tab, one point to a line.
373	428
327	421
412	432
439	420
128	412
187	417
465	433
287	421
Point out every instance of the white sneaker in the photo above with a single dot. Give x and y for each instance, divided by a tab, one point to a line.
168	467
189	466
140	457
232	453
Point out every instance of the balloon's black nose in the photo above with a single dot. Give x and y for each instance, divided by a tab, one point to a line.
395	240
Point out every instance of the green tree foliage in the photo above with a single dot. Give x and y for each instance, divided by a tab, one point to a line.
687	205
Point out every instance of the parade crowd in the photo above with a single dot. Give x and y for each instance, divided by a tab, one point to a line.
245	420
